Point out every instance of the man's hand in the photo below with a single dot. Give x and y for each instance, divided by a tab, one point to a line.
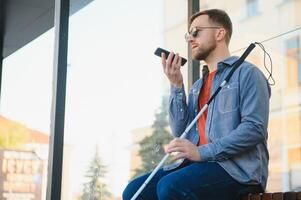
171	68
184	148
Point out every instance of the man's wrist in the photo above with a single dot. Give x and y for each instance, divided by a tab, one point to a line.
178	85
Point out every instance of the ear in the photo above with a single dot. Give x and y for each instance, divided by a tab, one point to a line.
220	34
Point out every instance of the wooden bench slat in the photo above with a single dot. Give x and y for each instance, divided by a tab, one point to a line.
278	196
267	196
299	196
255	197
274	196
290	196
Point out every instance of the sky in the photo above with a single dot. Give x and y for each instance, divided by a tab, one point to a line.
115	83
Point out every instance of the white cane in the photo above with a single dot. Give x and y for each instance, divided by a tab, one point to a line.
184	134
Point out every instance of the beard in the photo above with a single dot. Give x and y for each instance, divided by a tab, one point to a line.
201	53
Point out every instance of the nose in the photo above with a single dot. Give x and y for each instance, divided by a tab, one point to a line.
189	38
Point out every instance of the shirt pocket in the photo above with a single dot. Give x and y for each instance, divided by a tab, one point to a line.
228	98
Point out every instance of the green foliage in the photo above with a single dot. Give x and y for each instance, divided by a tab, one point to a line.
95	188
12	135
152	147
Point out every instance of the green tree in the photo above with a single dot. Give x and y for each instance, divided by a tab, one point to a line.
152	147
12	134
95	188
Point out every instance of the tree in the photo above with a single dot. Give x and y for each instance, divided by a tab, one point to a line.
12	134
152	147
95	188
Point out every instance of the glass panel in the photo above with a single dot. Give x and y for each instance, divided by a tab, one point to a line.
252	8
284	141
292	61
116	105
116	86
25	120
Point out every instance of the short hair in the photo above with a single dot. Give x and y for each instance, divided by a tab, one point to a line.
219	17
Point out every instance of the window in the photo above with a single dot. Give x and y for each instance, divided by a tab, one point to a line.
286	1
252	8
112	101
25	120
293	61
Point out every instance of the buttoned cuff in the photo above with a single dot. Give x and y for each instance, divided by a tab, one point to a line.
177	91
205	152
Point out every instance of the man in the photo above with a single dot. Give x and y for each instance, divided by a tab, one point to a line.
225	153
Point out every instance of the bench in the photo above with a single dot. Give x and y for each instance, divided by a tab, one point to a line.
274	196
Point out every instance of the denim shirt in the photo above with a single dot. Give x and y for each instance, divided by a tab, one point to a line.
236	124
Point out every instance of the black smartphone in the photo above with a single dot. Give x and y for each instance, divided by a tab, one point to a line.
160	50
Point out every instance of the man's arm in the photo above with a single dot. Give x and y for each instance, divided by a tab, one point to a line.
178	111
178	114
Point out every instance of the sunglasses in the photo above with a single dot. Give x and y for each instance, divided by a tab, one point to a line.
194	31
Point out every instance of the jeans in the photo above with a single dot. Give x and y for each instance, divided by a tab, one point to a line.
193	181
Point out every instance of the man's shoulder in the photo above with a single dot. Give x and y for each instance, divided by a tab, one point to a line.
248	68
245	66
250	73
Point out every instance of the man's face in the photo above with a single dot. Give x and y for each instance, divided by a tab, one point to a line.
204	43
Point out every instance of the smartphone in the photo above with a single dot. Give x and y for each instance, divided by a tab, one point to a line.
160	50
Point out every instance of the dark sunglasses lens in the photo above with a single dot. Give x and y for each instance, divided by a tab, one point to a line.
194	33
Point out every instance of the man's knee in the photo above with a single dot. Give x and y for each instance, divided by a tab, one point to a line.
166	189
130	190
127	193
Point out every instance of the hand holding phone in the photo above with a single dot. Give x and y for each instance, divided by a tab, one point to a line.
173	73
159	51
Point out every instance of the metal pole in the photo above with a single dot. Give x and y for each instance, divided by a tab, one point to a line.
61	23
2	4
193	65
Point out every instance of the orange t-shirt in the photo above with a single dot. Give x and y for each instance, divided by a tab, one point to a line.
204	97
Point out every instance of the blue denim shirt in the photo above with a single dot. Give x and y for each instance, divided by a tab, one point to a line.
236	124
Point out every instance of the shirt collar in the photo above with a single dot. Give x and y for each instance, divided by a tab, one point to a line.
227	62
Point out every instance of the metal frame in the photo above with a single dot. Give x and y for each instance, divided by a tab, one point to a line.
56	145
1	40
55	165
193	66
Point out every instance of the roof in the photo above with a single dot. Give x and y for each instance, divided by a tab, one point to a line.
26	20
8	126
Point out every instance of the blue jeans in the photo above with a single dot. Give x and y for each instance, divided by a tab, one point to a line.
193	181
